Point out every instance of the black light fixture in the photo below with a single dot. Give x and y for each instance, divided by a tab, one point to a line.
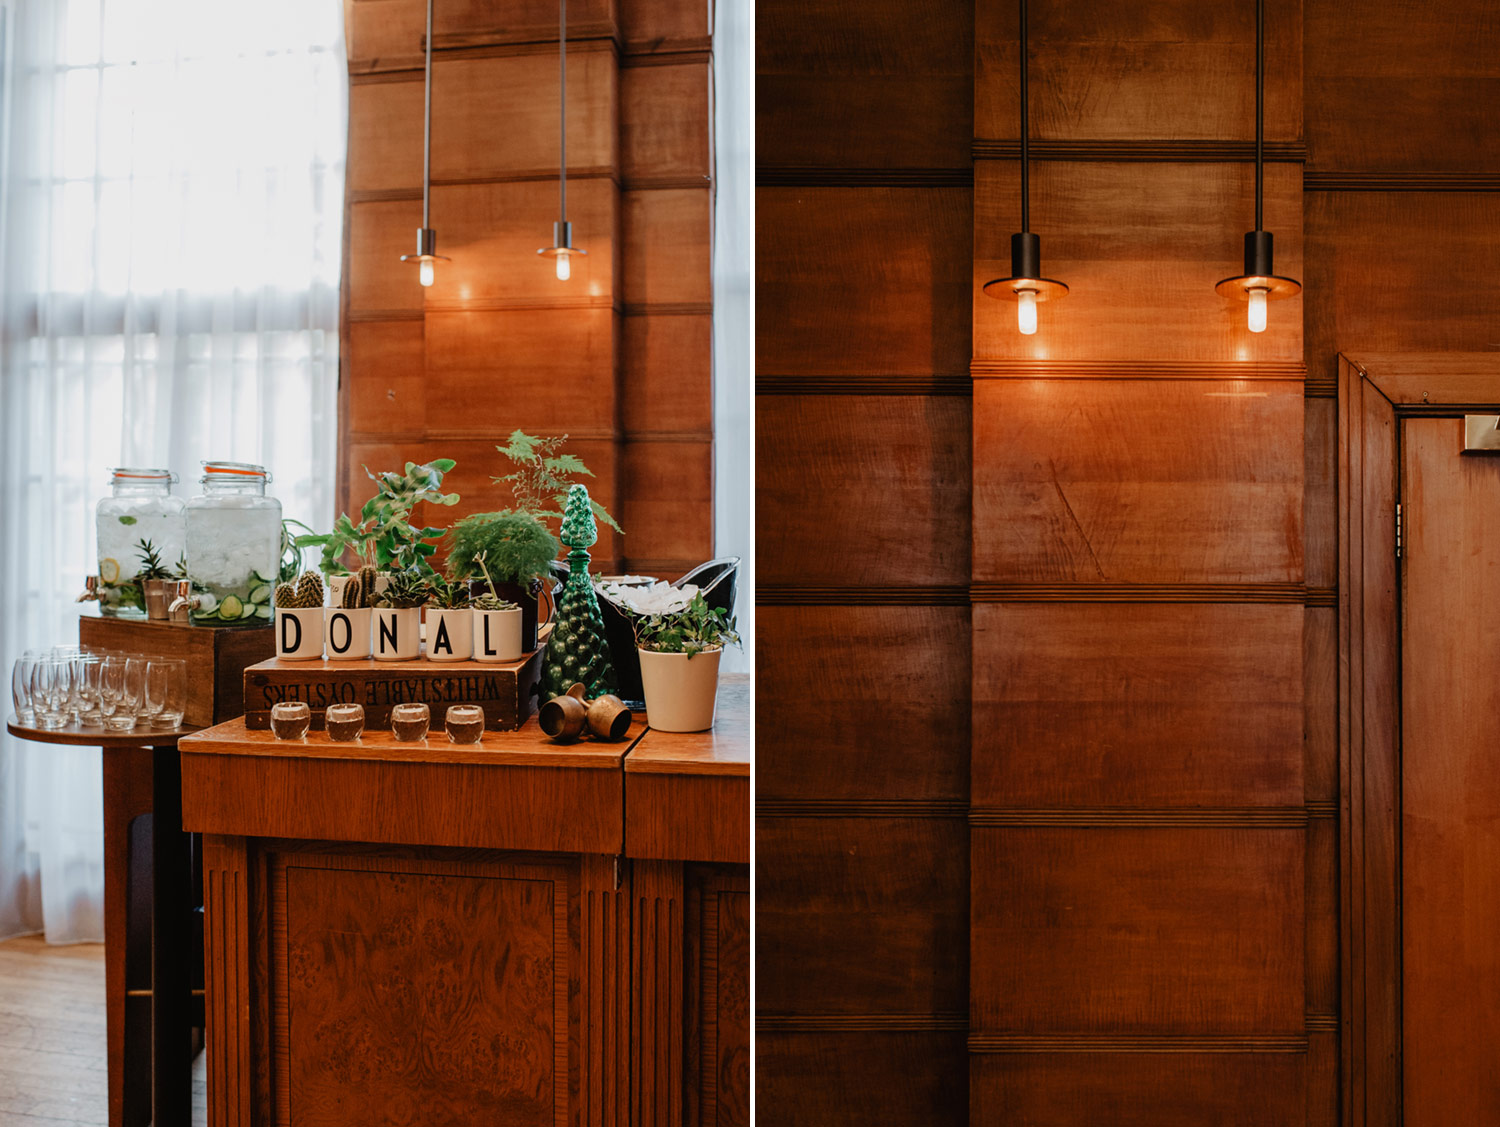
427	253
1259	283
562	248
1025	286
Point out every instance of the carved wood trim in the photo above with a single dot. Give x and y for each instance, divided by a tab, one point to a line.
957	385
791	595
1425	181
1131	1043
999	368
1166	150
604	963
1245	817
705	887
227	985
861	808
1293	593
656	998
812	176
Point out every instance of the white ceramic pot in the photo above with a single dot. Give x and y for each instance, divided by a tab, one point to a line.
346	635
450	634
299	633
397	633
497	635
680	690
336	585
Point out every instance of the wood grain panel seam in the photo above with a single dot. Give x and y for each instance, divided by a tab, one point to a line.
1321	1022
1019	368
861	808
1132	1043
1247	817
1416	181
816	176
865	1023
793	595
1278	593
957	384
667	309
1164	150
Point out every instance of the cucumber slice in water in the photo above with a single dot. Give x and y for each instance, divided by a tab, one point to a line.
247	610
230	607
261	594
263	610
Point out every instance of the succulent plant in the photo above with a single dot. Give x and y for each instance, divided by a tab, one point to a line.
353	596
489	600
309	589
367	577
405	589
445	594
286	596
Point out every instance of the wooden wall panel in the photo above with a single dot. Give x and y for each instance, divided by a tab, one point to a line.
1403	271
862	491
1107	929
669	502
1136	1090
899	81
387	387
1138	481
1141	247
861	916
1137	705
1397	87
668	236
648	25
1171	68
664	357
379	34
379	234
862	281
468	23
817	1079
664	122
885	728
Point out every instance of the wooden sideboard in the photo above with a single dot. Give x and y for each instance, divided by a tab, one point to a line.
434	933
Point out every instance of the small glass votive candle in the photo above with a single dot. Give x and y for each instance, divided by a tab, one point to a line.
290	720
345	722
465	723
409	722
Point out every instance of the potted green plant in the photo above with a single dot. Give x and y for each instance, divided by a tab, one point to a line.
450	621
517	549
346	632
155	578
299	618
543	475
680	665
497	623
398	617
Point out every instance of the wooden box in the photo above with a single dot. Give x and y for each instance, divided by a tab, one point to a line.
506	691
216	657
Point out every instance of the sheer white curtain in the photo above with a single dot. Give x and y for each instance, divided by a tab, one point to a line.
171	225
734	305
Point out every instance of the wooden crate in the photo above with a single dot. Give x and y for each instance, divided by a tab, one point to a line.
507	691
216	657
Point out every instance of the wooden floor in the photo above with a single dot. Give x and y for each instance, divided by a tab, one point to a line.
52	1036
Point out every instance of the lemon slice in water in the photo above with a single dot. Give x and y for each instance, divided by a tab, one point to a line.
109	570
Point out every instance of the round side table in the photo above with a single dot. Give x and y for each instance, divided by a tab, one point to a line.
142	773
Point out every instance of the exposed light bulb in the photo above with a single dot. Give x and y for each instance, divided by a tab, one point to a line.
1026	311
1257	310
425	272
564	267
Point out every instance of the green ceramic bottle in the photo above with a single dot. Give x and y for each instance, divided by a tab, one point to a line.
577	650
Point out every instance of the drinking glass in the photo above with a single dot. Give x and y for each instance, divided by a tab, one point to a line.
344	722
88	677
166	691
123	681
20	687
465	723
290	719
111	684
49	692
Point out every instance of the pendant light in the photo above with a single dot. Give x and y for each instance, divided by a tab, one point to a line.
562	248
1259	283
1025	286
427	253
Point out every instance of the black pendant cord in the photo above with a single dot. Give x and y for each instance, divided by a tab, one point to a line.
427	125
562	86
1260	107
1025	135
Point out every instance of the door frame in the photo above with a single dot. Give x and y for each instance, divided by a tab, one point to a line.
1377	391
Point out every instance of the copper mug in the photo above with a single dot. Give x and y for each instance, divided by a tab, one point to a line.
608	716
564	718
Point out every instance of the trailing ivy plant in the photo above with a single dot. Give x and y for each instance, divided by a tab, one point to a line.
543	476
692	630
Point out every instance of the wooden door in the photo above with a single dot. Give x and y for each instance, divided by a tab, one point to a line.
1450	779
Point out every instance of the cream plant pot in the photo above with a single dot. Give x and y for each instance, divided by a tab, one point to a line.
397	634
450	634
299	633
680	690
497	635
347	634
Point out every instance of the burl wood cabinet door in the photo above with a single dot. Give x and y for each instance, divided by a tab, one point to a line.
1450	779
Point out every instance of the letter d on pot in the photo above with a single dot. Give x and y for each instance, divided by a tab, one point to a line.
299	633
